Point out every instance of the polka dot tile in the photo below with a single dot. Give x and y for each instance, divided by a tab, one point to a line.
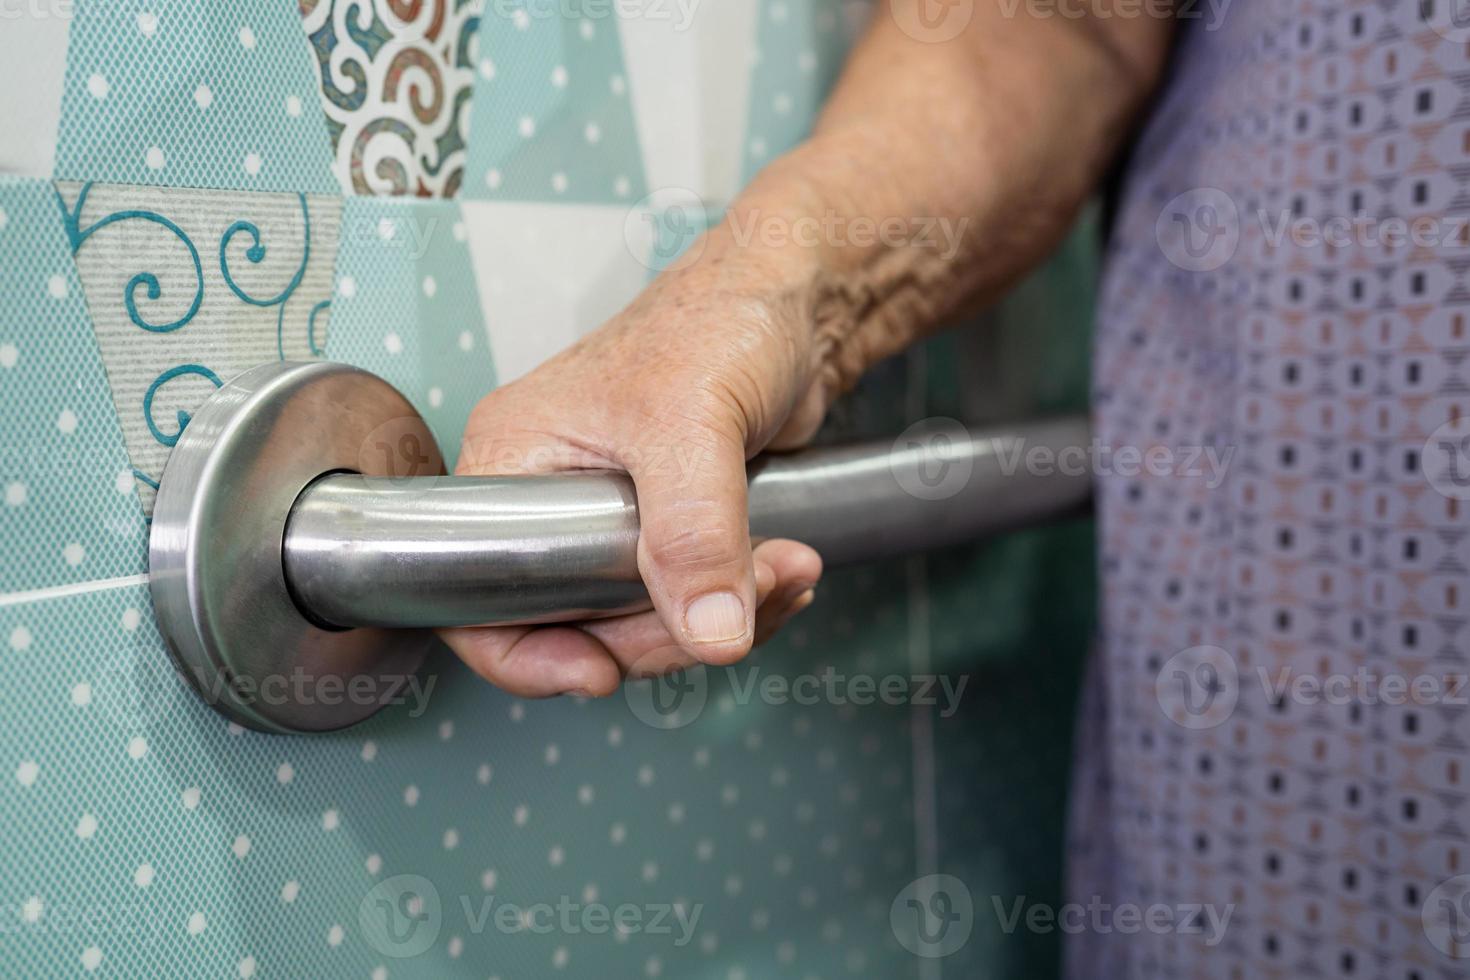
67	508
799	51
407	309
186	95
546	76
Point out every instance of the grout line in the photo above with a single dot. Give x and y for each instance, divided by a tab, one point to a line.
921	717
75	589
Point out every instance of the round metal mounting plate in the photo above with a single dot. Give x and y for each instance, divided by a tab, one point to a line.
215	552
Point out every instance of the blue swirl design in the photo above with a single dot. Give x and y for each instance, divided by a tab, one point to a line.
183	416
77	235
311	343
255	254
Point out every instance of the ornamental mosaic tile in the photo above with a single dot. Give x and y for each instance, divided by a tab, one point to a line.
396	81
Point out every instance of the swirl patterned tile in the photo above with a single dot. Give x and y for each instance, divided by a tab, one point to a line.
188	288
396	81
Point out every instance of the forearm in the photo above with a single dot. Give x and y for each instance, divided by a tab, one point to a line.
938	174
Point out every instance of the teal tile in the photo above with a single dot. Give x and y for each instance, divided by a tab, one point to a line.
68	512
552	119
182	94
407	309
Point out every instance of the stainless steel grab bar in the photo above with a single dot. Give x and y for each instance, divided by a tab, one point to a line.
303	526
461	551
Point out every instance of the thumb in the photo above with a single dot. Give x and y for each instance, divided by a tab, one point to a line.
694	542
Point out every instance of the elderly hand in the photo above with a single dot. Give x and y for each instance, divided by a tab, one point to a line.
705	369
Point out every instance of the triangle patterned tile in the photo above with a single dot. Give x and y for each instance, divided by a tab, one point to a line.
407	308
192	95
552	117
188	288
68	513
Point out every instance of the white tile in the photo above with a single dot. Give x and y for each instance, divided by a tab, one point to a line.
549	273
32	72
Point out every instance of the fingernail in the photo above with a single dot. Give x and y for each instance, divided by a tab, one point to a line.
715	618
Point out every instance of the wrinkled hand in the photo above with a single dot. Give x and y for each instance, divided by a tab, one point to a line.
699	374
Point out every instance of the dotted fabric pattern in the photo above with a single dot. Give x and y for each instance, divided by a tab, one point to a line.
163	92
68	512
1247	745
407	309
551	117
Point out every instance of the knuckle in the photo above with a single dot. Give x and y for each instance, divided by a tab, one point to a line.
695	545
